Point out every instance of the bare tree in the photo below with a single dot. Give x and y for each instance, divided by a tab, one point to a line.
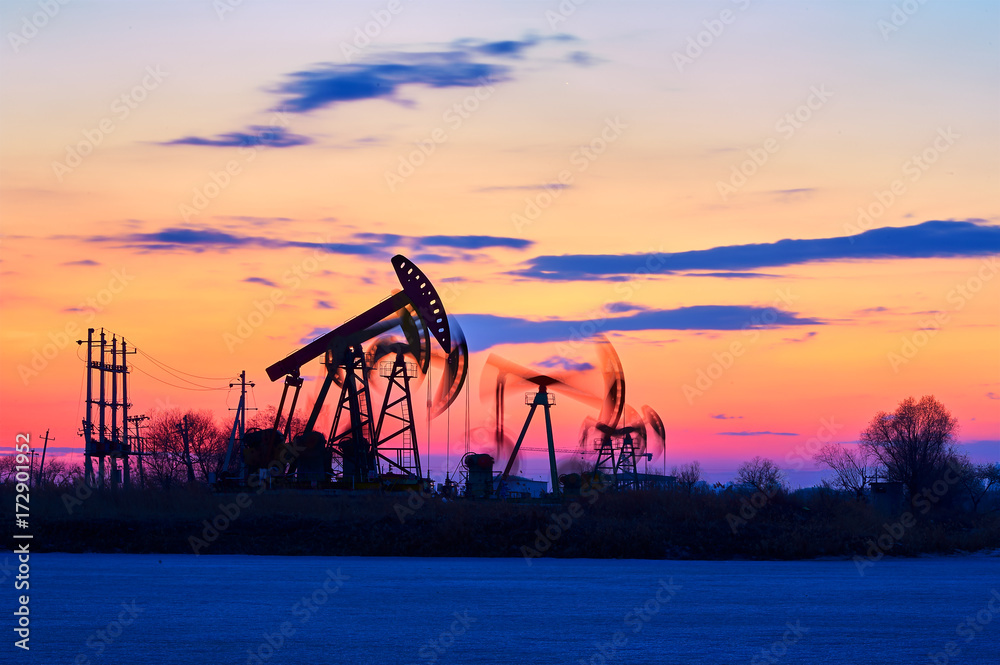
59	472
8	469
264	419
990	475
853	469
688	475
914	443
164	462
208	442
760	474
976	479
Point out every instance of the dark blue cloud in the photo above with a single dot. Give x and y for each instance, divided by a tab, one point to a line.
486	330
474	242
506	48
313	334
722	416
933	239
565	363
622	307
330	84
381	239
260	280
258	135
428	249
463	64
82	262
454	242
325	304
199	240
764	433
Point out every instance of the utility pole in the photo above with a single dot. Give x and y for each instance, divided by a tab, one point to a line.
139	448
31	468
187	449
126	473
101	439
240	422
115	440
102	442
243	403
88	427
41	465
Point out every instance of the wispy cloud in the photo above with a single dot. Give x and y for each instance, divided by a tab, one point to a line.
256	135
731	275
200	240
486	330
622	307
506	48
792	340
763	433
260	280
358	244
927	240
565	363
82	262
467	242
582	58
383	76
465	63
797	193
524	188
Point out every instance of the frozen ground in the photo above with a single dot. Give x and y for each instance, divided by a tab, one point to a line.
217	610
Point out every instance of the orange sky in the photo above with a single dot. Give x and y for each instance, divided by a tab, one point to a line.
826	108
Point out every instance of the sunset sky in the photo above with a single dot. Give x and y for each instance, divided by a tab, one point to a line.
782	214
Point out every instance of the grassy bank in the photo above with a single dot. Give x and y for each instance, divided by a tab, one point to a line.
651	525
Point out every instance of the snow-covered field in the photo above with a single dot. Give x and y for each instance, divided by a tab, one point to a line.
117	608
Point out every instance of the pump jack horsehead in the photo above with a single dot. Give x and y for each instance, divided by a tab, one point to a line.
365	449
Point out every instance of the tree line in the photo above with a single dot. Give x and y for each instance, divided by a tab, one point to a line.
166	461
915	445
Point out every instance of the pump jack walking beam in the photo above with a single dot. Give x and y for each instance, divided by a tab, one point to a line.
417	291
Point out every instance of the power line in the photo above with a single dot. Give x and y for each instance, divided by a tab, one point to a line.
173	385
174	372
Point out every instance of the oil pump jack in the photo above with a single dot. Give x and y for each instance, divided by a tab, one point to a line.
624	433
357	450
610	401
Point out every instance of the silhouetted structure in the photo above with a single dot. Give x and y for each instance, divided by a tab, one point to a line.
110	438
368	449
